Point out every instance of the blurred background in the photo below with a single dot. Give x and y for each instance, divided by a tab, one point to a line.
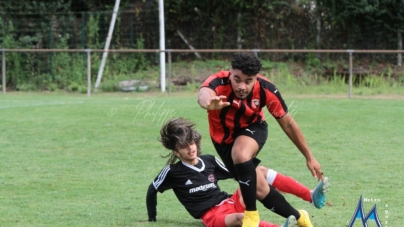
210	24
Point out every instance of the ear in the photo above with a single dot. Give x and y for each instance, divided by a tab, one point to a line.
176	153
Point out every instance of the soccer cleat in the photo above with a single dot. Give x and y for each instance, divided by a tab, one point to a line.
318	195
290	222
251	218
304	220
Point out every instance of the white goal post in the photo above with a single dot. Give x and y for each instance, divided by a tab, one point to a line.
107	43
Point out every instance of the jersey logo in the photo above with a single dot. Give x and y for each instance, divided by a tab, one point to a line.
211	178
255	103
275	91
252	132
238	103
204	187
188	182
222	81
242	182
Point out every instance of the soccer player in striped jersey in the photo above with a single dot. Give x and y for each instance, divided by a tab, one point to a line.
235	102
194	180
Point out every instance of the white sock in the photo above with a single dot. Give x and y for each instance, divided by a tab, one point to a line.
271	175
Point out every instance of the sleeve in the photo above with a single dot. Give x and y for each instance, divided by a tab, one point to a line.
162	181
216	80
151	203
221	171
274	101
207	82
160	184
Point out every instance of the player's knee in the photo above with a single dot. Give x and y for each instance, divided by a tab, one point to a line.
262	188
239	156
262	170
239	219
234	220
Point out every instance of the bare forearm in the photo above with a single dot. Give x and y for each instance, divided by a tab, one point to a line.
204	97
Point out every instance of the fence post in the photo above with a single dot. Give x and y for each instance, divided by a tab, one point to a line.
255	51
169	72
3	69
88	72
350	73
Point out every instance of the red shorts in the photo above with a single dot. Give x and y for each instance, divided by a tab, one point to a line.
215	216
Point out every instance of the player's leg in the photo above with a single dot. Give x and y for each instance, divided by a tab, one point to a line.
233	220
240	206
289	185
243	151
229	213
285	183
249	141
277	203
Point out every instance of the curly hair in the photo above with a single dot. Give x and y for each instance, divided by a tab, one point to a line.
178	133
247	62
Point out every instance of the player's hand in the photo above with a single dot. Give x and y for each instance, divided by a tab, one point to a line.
152	219
315	168
216	103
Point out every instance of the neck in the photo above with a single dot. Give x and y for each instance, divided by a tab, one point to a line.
191	162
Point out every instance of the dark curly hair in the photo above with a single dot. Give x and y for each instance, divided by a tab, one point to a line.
178	133
247	62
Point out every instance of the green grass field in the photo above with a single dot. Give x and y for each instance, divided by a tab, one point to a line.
72	160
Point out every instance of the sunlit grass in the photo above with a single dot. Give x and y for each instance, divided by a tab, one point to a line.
72	160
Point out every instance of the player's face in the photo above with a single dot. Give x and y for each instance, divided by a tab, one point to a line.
188	154
241	83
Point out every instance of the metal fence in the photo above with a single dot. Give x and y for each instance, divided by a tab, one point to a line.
349	53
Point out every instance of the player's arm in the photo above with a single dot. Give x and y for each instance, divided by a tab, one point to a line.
151	203
292	130
221	171
208	99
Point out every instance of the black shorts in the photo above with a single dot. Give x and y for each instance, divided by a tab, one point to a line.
257	131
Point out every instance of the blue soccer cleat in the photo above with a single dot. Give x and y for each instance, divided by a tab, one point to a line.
290	222
318	195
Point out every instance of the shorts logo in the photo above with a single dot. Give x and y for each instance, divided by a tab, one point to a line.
359	214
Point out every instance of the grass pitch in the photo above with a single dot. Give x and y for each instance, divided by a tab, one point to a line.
71	160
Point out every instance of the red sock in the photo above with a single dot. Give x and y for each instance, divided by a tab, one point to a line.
267	224
289	185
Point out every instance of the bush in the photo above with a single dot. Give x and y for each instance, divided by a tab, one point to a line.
73	87
26	87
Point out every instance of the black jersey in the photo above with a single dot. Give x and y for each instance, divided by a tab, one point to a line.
195	186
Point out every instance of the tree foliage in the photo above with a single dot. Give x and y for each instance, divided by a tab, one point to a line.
367	23
209	24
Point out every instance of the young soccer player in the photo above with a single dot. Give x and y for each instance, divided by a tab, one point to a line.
235	102
194	181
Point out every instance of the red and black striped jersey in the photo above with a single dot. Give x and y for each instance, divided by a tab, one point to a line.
195	186
241	113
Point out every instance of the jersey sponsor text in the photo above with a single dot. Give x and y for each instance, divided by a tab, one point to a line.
202	188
